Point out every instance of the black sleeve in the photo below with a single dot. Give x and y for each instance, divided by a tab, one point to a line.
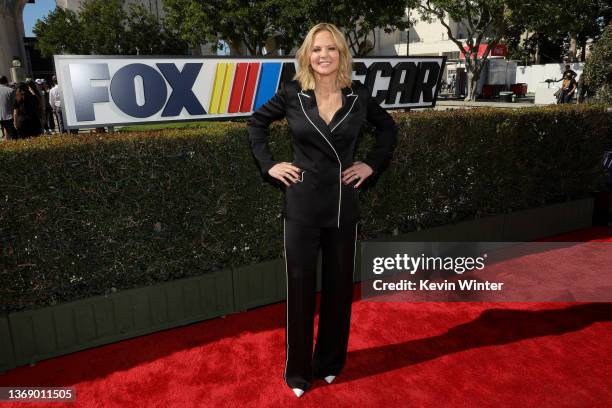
258	125
385	133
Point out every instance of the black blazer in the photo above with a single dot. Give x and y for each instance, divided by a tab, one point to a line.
322	151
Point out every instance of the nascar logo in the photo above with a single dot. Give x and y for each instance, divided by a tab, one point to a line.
103	91
244	86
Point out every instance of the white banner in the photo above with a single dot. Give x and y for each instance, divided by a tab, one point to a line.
119	90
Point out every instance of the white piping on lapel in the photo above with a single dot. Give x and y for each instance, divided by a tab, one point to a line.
347	113
337	157
302	92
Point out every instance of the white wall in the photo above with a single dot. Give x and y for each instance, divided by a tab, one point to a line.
534	75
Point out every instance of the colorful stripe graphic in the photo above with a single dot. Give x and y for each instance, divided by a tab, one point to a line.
237	86
221	87
267	83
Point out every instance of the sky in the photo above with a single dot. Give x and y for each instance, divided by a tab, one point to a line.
33	12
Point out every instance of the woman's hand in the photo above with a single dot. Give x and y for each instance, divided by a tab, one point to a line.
285	172
358	171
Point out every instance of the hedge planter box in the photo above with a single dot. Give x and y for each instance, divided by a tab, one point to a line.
525	225
263	284
259	284
7	359
536	223
66	328
30	336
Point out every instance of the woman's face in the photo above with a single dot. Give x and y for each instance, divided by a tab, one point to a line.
324	54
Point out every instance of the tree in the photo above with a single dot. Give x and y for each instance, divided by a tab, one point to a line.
249	25
558	27
104	27
189	21
483	21
598	68
59	33
147	36
243	24
360	18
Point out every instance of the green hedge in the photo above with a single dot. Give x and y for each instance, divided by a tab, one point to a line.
87	215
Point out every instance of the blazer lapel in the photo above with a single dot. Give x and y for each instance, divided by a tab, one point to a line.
309	107
348	103
309	102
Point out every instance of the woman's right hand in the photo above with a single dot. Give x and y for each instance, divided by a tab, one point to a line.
285	172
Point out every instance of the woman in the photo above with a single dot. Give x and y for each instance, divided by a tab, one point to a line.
325	111
35	90
26	112
568	87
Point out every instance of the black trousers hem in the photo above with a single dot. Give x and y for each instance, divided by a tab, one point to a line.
337	246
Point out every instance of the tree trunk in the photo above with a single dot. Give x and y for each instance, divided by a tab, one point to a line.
471	86
573	46
196	51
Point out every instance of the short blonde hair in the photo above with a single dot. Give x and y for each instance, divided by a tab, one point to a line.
305	75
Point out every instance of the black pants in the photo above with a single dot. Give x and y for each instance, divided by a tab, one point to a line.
302	246
9	129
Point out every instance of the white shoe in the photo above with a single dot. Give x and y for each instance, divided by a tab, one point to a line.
330	378
298	392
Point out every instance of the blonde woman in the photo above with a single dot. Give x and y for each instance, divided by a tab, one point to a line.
325	111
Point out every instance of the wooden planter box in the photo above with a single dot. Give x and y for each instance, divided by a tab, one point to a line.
56	330
7	358
34	335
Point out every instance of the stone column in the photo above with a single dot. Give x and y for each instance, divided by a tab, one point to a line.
11	36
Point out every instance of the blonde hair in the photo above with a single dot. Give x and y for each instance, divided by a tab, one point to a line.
305	75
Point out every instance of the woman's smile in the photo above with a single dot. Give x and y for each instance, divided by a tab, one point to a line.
324	54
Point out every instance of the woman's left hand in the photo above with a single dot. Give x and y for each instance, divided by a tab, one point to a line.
358	171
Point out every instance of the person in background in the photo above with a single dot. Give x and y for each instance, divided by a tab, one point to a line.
568	70
26	112
568	88
56	105
35	91
48	124
7	98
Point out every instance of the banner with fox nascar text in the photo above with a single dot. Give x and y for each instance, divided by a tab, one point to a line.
101	91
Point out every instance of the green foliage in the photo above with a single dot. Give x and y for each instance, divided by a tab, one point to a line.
59	33
81	215
189	21
598	68
483	21
240	23
360	18
102	26
249	25
105	27
147	36
552	23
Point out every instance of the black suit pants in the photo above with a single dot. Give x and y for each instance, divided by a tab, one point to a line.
302	245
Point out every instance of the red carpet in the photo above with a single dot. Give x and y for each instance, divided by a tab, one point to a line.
400	355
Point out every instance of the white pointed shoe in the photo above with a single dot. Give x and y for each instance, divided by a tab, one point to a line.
298	392
330	378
